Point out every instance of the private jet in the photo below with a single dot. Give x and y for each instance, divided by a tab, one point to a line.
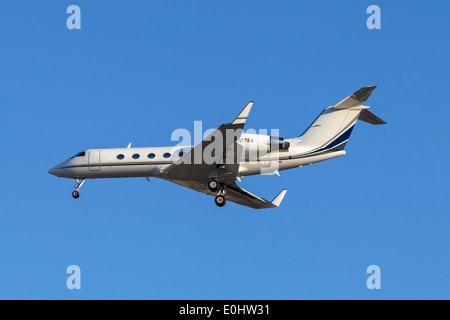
214	165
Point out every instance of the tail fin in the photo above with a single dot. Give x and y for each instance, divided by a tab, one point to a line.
332	129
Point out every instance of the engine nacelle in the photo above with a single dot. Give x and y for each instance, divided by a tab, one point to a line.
278	143
258	145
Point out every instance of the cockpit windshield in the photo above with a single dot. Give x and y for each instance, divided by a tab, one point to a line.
79	154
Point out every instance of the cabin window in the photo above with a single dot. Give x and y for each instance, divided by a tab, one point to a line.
166	155
136	156
151	155
120	156
181	153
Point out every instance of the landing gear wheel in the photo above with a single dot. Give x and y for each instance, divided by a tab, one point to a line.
213	185
220	201
77	187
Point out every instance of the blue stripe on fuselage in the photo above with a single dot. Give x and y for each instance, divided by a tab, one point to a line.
336	142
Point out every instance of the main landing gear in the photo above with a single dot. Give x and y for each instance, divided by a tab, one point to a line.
220	201
214	186
76	193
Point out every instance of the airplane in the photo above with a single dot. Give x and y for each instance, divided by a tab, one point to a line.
215	164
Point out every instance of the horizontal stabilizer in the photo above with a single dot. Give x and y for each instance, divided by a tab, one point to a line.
363	94
369	117
279	198
355	100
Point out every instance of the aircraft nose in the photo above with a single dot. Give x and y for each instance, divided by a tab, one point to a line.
53	171
56	171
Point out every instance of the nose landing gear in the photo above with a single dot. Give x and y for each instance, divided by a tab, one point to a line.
76	193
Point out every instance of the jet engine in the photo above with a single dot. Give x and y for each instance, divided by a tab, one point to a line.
257	145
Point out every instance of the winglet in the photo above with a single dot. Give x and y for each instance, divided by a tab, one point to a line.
242	117
279	198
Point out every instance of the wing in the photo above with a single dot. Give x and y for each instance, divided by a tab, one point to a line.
235	194
217	156
238	195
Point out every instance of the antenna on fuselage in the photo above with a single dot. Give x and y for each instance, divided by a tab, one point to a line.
129	146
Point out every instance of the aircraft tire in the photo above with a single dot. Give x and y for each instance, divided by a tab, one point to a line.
213	185
220	201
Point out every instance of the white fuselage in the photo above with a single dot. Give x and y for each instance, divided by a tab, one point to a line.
227	154
149	162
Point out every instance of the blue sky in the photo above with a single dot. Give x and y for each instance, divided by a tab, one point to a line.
138	70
